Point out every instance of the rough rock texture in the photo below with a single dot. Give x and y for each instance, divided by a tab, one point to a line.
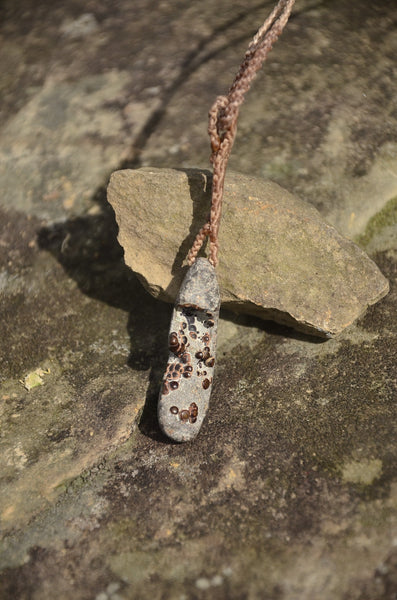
290	490
188	379
279	259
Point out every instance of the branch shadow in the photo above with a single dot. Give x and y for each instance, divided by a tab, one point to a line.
203	53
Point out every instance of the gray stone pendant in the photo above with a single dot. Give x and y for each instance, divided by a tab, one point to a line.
186	389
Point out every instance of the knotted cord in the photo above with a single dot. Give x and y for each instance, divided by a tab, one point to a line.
222	121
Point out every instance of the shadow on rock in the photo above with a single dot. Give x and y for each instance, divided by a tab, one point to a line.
88	250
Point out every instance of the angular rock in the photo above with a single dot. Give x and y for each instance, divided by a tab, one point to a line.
278	259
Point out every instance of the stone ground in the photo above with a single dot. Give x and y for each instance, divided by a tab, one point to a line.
290	491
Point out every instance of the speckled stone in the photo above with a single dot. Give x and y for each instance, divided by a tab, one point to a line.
186	388
278	258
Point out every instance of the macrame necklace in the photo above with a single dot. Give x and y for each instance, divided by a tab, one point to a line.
186	388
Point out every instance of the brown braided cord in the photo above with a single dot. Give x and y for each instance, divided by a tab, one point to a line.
222	121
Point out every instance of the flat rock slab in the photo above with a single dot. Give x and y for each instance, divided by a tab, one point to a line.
278	258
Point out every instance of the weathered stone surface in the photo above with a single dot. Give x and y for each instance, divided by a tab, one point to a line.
279	260
290	490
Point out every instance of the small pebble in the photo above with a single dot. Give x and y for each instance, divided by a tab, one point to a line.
84	25
113	587
202	583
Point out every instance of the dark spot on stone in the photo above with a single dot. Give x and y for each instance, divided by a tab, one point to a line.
193	409
199	355
187	374
189	368
206	384
210	361
174	410
206	338
206	353
58	436
184	415
174	385
175	345
173	342
193	335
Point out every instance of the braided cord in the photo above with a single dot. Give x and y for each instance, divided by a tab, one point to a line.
222	121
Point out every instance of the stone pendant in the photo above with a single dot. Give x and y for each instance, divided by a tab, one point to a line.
186	389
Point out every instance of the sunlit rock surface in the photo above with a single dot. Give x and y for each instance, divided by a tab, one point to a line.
278	258
289	492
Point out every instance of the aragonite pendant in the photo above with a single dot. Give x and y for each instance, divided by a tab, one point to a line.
186	388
